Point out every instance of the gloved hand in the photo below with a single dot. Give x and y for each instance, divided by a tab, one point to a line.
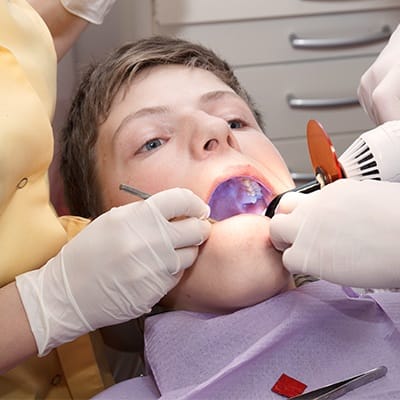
347	233
379	89
93	11
116	269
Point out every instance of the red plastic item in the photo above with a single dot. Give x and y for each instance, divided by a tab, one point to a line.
322	153
288	386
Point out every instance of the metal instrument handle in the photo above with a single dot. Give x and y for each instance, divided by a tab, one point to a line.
319	43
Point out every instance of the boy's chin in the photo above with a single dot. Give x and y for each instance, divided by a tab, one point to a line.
236	267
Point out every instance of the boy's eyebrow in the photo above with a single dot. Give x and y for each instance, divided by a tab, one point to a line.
140	113
218	94
205	98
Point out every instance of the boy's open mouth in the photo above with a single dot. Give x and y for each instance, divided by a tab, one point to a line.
239	195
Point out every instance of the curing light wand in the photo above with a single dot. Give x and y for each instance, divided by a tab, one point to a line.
373	155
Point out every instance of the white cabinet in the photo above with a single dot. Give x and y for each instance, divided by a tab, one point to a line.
310	51
169	12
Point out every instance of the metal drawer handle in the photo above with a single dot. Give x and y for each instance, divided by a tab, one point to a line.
296	102
304	43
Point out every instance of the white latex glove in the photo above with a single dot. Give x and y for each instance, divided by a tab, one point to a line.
93	11
379	89
347	233
116	269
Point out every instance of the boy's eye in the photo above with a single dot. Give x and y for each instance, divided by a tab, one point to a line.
235	124
151	145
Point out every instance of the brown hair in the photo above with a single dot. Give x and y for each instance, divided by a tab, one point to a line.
92	103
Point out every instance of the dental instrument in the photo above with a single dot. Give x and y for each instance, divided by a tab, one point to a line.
339	389
373	155
134	191
144	196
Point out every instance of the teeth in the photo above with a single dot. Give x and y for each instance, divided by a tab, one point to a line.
252	188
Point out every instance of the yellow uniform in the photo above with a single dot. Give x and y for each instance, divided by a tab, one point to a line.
30	232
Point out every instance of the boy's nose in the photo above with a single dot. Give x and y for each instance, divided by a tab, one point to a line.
211	145
210	134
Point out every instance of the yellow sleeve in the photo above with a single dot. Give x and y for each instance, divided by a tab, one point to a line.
30	232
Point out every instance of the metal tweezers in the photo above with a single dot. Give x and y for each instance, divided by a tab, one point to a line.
339	389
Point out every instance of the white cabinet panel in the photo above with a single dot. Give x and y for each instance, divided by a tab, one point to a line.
268	41
269	86
199	11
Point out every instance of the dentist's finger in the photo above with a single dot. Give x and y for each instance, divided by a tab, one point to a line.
189	232
289	202
178	202
282	231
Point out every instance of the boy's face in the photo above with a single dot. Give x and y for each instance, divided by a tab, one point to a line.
183	127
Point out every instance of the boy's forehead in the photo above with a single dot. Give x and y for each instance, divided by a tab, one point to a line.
169	83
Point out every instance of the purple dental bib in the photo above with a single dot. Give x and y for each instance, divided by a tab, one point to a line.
316	334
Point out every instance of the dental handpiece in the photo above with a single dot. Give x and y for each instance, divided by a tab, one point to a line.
373	155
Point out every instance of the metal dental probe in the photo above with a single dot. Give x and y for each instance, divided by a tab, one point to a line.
134	191
144	196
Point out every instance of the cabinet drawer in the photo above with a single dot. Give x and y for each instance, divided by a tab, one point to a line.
270	86
195	11
269	40
295	151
